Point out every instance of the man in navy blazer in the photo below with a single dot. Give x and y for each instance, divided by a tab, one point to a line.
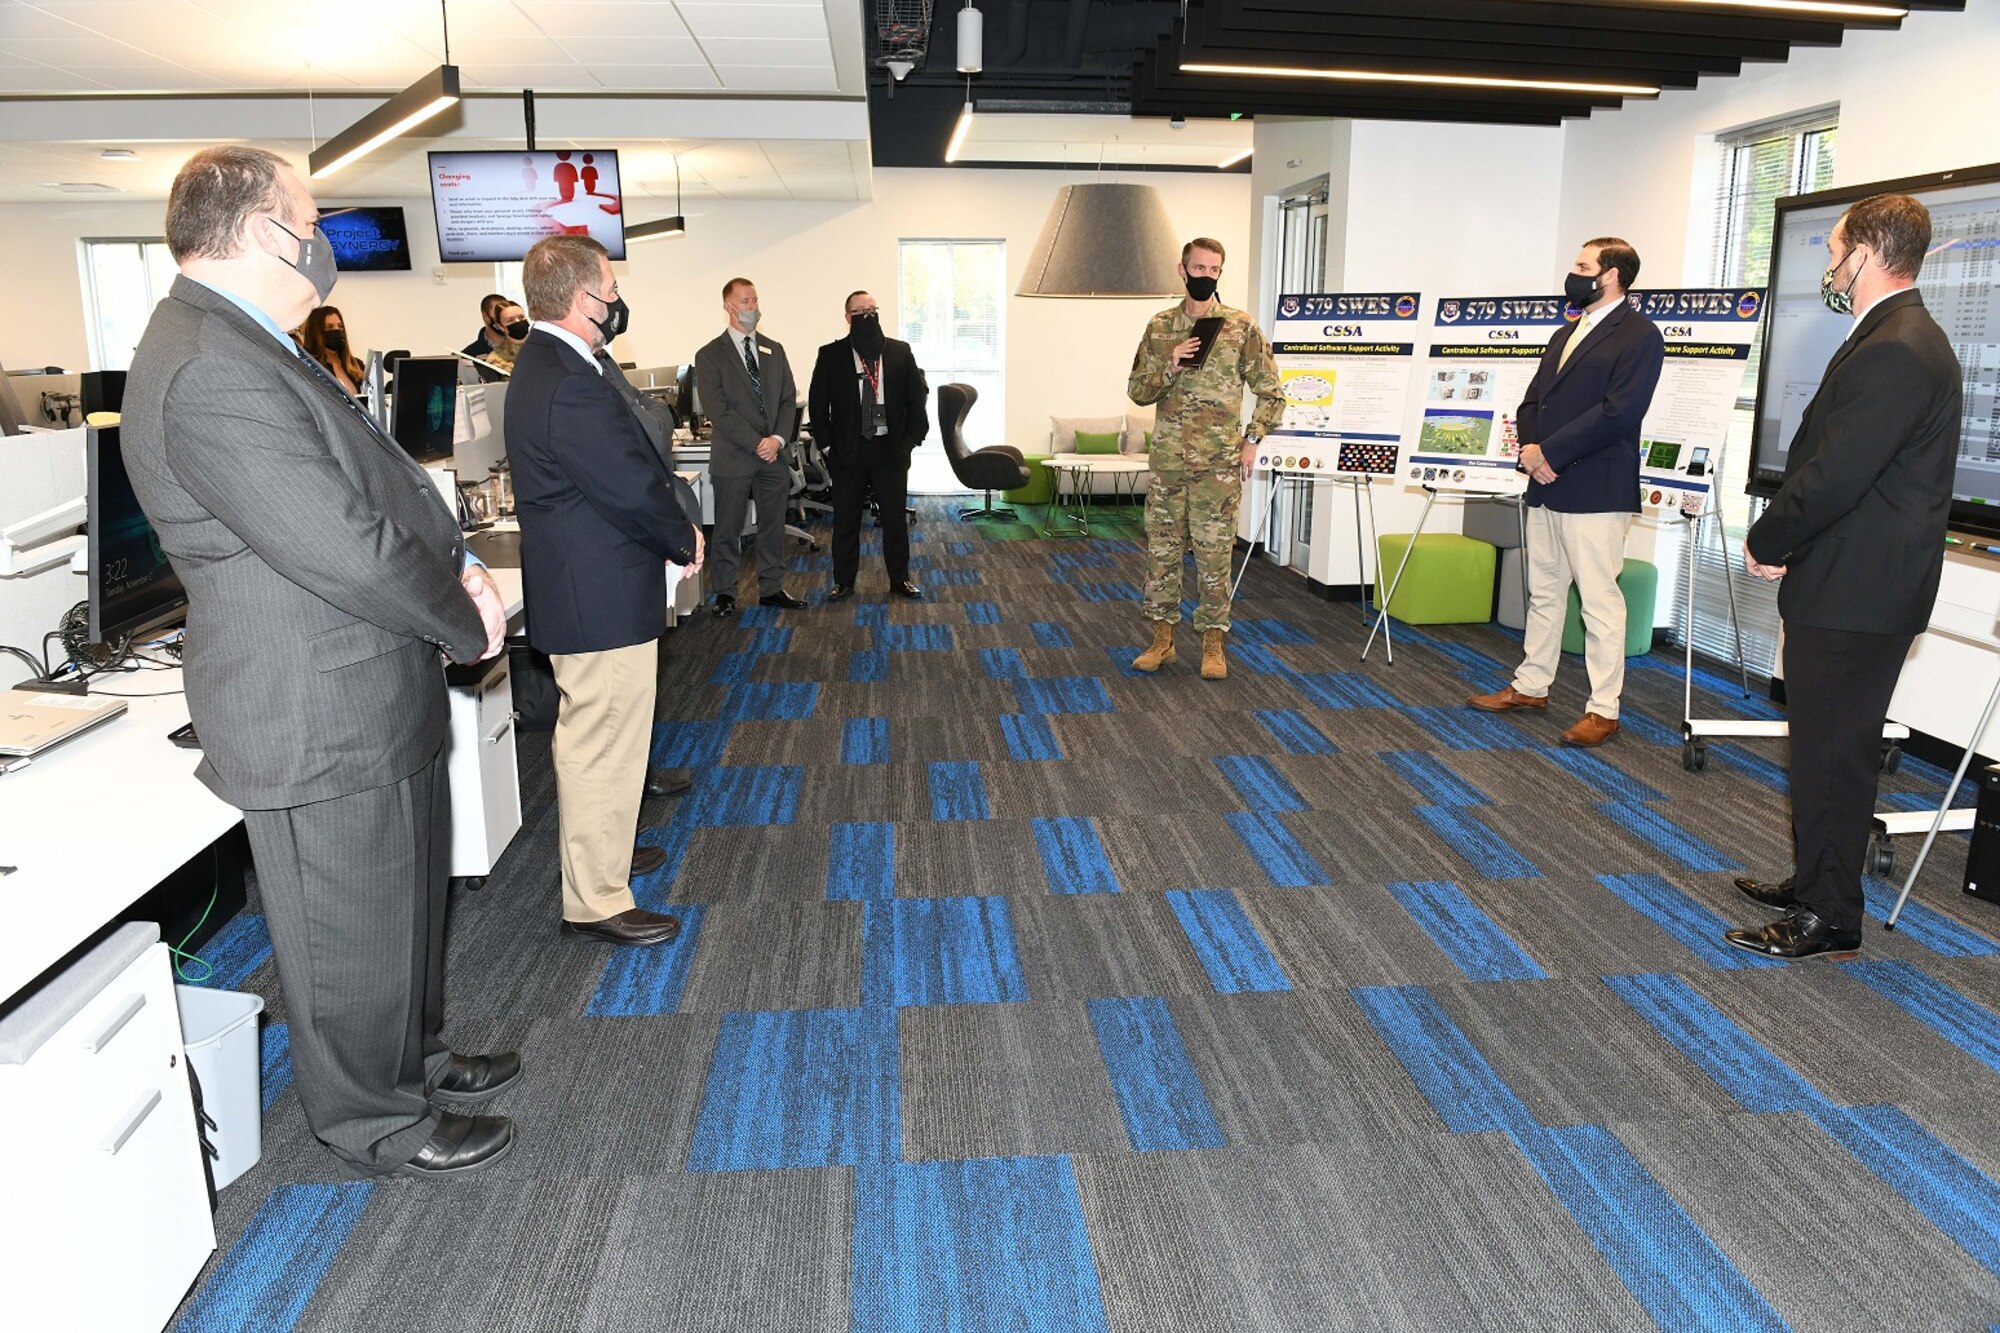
1857	534
1578	427
599	523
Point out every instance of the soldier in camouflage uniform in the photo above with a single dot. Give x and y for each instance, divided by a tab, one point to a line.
1201	452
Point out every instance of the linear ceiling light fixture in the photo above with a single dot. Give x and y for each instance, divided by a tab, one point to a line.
394	118
963	128
662	228
1436	80
1235	157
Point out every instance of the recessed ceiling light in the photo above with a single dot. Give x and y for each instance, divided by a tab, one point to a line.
81	187
1439	80
119	155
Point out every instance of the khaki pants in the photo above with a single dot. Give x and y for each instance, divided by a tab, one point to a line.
1191	510
1589	551
603	737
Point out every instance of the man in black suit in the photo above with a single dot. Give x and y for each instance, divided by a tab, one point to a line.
1578	426
751	401
1856	531
324	578
599	523
869	411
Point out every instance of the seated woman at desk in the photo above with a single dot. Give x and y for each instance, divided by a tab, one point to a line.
324	336
512	322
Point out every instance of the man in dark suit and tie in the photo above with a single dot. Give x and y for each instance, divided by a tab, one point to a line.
1856	533
870	410
1578	427
599	525
751	401
325	578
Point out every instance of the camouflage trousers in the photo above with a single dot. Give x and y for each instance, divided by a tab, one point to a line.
1191	510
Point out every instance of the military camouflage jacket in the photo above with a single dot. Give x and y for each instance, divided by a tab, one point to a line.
1199	423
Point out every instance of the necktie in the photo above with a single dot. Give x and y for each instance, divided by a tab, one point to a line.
1562	357
756	380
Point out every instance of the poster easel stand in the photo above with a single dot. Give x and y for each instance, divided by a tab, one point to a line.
1360	483
1382	603
1945	819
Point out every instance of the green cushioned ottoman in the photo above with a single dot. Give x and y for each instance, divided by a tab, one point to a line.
1449	580
1640	582
1041	482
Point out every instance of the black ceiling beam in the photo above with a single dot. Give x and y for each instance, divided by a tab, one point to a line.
1319	26
1152	83
1568	16
1455	56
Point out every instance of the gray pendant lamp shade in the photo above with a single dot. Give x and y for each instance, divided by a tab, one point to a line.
1105	240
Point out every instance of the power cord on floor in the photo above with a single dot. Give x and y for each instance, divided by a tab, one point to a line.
179	951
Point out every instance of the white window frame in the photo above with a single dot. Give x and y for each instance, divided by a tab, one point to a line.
102	358
988	423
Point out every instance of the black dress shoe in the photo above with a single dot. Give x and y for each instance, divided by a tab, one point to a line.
1772	893
906	589
460	1145
725	605
840	592
634	926
664	782
474	1078
645	860
1797	934
784	599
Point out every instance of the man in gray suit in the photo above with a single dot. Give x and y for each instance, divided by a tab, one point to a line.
747	390
325	577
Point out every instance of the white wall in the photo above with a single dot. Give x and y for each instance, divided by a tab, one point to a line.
1064	357
1920	100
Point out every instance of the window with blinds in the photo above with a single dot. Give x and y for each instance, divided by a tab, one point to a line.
952	307
1759	166
123	280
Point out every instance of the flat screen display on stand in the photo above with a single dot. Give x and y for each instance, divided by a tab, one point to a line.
132	585
423	410
1960	282
492	206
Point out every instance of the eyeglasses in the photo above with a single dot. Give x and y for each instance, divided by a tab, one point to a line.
859	311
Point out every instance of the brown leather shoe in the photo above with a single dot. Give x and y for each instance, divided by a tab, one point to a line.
1501	700
635	926
646	859
1591	730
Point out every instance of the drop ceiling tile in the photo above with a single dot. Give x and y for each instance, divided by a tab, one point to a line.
474	49
72	52
43	79
600	18
569	76
760	78
20	21
770	51
607	50
708	19
656	78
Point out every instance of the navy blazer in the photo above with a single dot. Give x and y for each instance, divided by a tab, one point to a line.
1860	519
1586	416
596	505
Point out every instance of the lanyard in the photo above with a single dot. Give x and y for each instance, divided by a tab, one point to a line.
872	372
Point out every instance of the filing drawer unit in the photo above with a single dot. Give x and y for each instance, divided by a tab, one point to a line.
106	1199
485	782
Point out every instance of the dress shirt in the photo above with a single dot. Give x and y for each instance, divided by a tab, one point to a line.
1589	320
861	373
1859	315
255	312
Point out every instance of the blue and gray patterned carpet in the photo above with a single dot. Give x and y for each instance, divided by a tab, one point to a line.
1018	991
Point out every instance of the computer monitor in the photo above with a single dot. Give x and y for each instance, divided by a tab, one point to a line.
132	586
11	419
423	410
103	391
687	403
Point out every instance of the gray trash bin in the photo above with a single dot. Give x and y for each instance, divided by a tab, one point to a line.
219	1033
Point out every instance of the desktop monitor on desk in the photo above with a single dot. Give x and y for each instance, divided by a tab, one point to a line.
687	401
423	410
132	585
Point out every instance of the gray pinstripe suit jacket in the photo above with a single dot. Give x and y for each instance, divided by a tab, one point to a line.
320	563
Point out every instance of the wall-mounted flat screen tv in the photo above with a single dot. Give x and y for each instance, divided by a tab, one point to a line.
367	240
1961	288
492	206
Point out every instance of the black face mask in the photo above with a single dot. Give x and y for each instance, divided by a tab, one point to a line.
1581	289
518	329
617	316
867	335
335	340
1201	289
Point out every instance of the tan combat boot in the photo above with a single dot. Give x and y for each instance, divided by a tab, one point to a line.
1162	651
1214	666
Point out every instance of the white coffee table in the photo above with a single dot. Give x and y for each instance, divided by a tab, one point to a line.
1080	469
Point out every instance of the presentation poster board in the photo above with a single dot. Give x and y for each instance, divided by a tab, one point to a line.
492	206
1346	361
1708	333
1482	353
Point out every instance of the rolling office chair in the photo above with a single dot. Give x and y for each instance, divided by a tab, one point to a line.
794	456
998	467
